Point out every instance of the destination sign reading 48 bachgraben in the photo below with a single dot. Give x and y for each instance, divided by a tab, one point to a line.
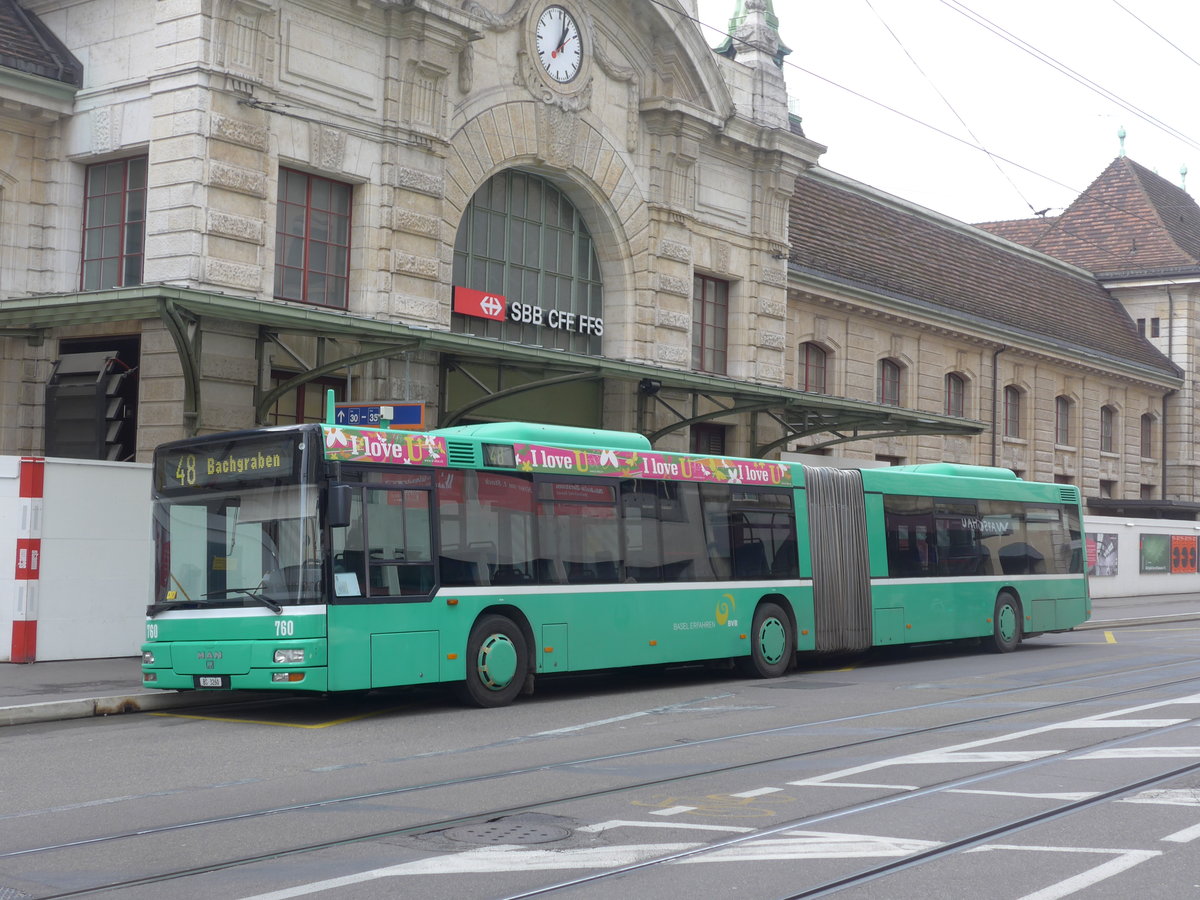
203	467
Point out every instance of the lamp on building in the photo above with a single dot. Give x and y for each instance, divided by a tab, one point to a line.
649	386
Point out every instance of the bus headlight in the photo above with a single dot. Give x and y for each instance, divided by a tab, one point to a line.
293	655
147	657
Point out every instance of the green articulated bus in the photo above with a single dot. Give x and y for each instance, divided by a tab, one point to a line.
327	558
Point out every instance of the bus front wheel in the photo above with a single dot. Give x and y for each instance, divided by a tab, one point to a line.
771	643
497	663
1006	624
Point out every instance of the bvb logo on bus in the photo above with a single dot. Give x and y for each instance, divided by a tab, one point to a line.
725	606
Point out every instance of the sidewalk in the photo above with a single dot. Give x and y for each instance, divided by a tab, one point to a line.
73	689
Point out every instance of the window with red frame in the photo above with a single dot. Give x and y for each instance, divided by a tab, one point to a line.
1062	420
1147	436
114	224
956	394
710	324
306	403
1012	412
889	382
1108	417
312	240
813	360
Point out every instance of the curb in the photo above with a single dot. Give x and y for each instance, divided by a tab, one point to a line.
83	708
1092	624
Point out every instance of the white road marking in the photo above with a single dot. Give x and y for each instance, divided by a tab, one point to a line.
629	823
938	757
676	707
1189	797
821	782
1066	795
672	810
792	845
757	792
1124	859
501	858
1184	837
961	752
1143	753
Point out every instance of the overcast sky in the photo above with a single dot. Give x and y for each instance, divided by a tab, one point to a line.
899	90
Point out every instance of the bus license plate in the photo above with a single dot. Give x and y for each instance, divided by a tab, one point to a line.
213	681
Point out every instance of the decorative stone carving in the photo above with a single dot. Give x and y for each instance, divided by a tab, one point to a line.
416	180
675	250
670	284
219	271
674	321
237	179
239	228
420	266
328	147
240	132
413	222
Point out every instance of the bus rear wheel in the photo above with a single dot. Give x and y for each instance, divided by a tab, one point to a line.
497	663
771	643
1006	624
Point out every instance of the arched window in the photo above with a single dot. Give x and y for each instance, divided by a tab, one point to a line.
813	360
1108	419
1012	412
1062	420
521	239
956	394
1147	436
889	382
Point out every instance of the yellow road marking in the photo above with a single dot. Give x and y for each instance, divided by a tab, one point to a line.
1110	637
280	724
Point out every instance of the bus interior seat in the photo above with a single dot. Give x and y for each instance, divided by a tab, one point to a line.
750	560
462	571
510	574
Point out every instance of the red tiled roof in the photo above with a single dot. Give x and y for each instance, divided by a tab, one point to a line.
839	230
1128	221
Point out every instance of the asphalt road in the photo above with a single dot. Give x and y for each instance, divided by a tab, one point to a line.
1067	768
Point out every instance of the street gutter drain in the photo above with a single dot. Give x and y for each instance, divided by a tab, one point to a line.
507	832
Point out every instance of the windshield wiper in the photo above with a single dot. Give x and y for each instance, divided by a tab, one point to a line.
254	593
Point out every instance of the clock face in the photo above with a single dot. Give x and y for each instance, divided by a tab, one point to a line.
559	45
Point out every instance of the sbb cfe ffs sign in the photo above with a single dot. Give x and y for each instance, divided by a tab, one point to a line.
482	305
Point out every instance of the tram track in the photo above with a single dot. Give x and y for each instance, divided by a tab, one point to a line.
873	872
534	805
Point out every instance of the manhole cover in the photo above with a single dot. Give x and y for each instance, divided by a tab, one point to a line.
508	832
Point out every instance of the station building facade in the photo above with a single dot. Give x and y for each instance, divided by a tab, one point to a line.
214	212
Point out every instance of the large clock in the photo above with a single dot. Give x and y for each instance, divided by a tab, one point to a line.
559	44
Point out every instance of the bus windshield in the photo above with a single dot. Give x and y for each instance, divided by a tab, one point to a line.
253	547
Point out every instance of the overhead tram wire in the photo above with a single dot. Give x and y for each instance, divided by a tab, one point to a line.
917	121
1155	31
950	106
1049	60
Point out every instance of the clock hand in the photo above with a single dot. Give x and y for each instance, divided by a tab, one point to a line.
562	40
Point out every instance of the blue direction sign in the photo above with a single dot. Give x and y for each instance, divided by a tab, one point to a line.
381	415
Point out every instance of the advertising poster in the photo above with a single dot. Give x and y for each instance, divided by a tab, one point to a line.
1102	555
1156	553
1183	554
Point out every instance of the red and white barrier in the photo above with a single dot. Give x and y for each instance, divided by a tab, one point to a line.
30	505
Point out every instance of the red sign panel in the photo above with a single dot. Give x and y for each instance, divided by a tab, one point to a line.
479	304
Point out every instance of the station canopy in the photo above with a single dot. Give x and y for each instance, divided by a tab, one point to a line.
779	416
